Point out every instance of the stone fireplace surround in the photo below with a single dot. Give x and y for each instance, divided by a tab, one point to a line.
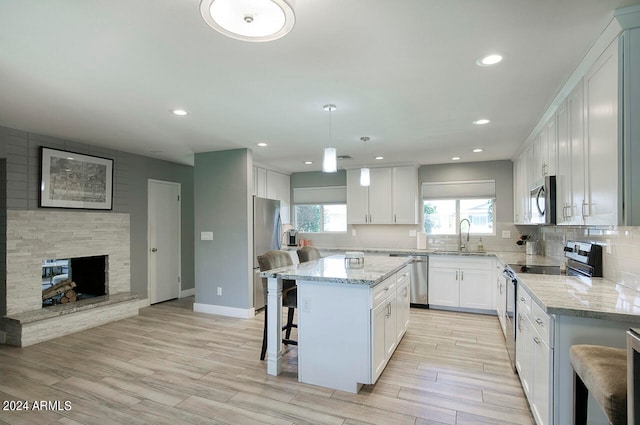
35	235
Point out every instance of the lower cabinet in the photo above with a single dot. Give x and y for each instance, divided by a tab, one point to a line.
347	333
534	356
459	281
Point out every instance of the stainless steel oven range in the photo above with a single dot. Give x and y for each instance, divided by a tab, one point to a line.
582	259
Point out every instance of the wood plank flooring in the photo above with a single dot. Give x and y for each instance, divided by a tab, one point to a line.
172	366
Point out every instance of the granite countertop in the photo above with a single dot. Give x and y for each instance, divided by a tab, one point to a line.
373	270
596	298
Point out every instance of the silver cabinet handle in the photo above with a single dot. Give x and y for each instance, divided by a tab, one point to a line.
584	204
461	274
523	299
154	249
539	321
520	322
365	218
456	274
536	340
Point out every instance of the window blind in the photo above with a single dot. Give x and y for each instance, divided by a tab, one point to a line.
459	189
320	195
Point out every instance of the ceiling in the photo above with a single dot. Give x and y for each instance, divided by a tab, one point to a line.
108	72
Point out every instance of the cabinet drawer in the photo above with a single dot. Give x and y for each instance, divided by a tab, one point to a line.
382	290
460	262
542	323
403	275
524	301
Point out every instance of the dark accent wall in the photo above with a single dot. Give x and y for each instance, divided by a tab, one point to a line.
131	174
224	206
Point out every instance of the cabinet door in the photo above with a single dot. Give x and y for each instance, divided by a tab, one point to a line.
563	171
261	182
575	109
390	333
380	205
551	160
378	352
539	155
272	184
476	288
405	195
357	199
402	307
524	352
284	194
601	105
542	371
443	286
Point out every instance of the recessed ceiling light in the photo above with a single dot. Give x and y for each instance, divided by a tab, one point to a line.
482	121
455	158
180	112
489	60
477	150
262	144
308	162
379	157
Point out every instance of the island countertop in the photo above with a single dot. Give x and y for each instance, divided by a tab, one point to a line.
334	269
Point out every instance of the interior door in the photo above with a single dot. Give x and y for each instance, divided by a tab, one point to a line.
164	241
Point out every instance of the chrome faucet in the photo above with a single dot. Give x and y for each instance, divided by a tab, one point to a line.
462	246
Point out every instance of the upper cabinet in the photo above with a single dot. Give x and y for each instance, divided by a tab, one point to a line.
272	185
580	146
391	198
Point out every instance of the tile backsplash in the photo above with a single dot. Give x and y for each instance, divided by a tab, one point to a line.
620	247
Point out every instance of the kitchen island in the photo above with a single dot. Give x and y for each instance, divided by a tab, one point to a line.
351	316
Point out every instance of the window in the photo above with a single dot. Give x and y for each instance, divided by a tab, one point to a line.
441	216
320	209
446	203
321	218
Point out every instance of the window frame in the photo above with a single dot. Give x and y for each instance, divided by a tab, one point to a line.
458	217
322	205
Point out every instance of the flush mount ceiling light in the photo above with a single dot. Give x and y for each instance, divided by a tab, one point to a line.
262	144
249	20
455	158
477	150
308	162
379	157
365	179
481	121
329	160
180	112
489	60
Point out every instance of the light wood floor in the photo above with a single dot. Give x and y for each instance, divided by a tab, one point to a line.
172	366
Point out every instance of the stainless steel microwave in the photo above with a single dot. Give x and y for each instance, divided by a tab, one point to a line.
542	201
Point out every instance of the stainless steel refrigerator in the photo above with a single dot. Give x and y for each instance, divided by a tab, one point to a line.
267	235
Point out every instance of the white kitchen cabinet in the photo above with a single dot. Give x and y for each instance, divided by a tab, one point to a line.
380	196
601	140
575	109
563	172
534	356
402	303
522	172
459	281
405	195
260	182
501	296
273	185
391	198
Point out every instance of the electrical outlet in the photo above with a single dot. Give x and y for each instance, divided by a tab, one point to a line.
219	291
306	304
608	246
506	234
206	236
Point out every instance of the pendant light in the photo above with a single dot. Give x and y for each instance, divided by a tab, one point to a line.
329	160
249	20
365	178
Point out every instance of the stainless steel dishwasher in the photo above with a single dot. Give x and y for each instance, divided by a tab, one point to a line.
419	296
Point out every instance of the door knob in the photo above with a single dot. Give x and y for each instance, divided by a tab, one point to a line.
154	249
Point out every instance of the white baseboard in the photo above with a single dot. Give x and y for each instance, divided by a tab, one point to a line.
144	303
187	292
242	313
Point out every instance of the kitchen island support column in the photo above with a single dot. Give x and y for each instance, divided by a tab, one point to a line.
274	326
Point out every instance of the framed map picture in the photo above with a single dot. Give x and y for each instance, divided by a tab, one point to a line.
73	180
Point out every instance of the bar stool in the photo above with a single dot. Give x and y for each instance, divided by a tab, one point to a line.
601	371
